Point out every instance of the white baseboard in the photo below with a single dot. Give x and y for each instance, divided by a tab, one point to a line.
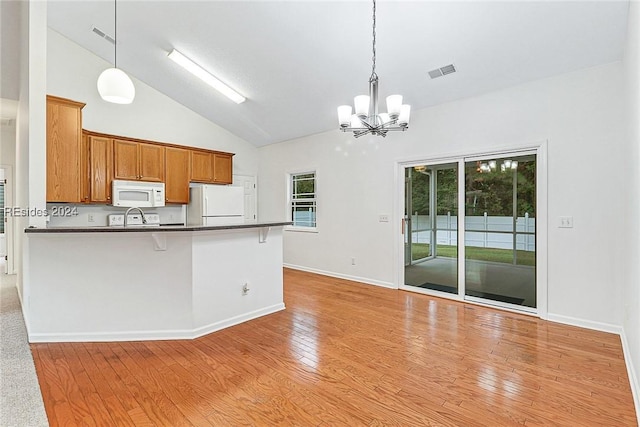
204	330
176	334
631	372
583	323
342	276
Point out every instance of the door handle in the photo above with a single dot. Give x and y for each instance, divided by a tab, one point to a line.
402	226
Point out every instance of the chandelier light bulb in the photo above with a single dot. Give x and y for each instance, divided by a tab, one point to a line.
344	115
405	113
361	103
355	122
394	104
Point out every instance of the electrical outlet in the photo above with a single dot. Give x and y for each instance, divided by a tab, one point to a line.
245	289
90	218
383	218
566	222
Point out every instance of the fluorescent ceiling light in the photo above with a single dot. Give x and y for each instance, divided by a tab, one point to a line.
203	74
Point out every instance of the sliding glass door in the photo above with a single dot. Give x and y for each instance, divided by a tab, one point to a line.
431	237
498	229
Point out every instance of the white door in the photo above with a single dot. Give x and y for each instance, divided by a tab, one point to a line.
248	182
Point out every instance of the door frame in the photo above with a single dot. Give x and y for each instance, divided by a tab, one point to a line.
540	149
9	229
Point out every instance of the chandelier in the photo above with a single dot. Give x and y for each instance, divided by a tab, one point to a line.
367	120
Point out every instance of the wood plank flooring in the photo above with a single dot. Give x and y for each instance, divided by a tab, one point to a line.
344	353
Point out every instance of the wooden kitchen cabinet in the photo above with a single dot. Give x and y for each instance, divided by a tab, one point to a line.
211	167
177	174
85	174
222	168
125	159
64	150
100	169
151	162
138	161
201	166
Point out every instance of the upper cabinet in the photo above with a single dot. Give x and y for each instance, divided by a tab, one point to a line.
201	166
64	150
177	172
138	161
100	169
211	167
222	168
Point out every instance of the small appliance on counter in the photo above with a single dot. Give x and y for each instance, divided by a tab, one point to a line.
139	194
215	205
117	220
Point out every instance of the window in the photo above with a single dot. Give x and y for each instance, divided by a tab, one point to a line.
303	199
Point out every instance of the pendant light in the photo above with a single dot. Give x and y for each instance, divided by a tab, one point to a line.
367	119
114	85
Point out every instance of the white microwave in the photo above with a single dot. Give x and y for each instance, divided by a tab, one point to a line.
139	194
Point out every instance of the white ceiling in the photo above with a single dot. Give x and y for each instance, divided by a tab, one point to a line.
296	61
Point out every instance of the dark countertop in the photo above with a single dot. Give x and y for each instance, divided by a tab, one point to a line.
162	228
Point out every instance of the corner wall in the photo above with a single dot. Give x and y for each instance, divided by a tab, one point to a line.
579	114
630	245
30	131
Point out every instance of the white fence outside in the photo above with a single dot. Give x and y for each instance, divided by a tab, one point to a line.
488	231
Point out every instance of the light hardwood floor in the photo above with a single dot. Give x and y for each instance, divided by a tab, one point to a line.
344	353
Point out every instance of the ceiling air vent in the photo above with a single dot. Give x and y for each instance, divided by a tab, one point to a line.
104	35
442	71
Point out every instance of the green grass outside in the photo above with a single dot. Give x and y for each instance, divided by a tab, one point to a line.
421	250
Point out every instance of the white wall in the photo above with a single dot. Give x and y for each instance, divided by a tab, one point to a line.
72	72
630	245
8	145
30	160
580	114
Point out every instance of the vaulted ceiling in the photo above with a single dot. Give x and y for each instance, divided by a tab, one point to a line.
296	61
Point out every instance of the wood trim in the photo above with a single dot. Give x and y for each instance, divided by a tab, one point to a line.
69	102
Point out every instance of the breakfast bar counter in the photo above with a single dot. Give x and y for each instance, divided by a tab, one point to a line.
147	283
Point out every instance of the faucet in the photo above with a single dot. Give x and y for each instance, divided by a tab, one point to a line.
126	215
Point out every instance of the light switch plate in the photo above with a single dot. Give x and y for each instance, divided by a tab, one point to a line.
566	222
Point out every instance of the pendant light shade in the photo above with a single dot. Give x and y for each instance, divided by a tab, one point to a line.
114	85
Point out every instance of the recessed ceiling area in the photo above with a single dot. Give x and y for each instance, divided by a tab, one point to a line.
296	61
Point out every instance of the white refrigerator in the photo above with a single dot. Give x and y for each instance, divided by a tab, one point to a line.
215	205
